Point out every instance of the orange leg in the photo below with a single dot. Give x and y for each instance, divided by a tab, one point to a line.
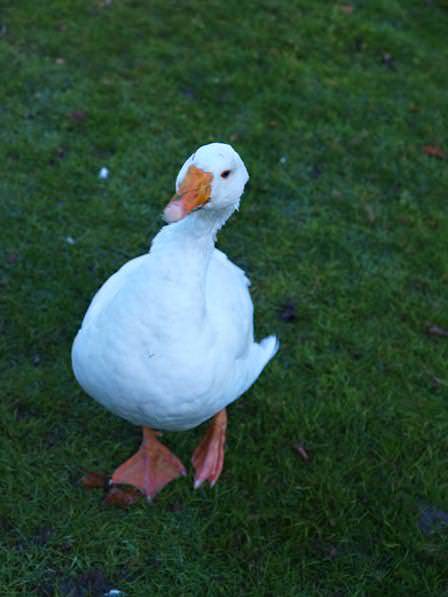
151	468
208	458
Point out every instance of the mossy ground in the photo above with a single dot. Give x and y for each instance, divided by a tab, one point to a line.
345	219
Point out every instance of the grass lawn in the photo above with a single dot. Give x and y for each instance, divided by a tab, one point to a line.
344	234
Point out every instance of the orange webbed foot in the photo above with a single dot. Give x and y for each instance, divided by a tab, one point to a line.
208	458
151	468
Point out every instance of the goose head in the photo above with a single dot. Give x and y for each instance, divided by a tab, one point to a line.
213	178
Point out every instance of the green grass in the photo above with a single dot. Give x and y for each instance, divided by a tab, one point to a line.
345	217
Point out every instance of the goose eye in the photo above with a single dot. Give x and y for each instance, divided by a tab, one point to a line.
225	174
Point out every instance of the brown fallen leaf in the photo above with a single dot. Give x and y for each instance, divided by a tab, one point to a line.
315	171
430	518
370	213
287	312
437	381
174	507
389	60
92	582
78	116
434	151
122	498
94	481
41	536
347	8
435	330
302	451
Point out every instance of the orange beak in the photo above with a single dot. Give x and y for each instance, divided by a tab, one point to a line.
194	191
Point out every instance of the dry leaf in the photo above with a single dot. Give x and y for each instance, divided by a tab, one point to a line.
315	171
94	481
302	451
174	507
347	8
78	115
92	582
122	498
434	151
389	60
287	312
430	518
370	213
42	536
435	330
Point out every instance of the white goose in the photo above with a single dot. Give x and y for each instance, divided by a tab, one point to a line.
167	341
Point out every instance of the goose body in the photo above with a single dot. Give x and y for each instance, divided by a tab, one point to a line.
168	341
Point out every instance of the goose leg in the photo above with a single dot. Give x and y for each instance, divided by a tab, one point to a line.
151	468
208	458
